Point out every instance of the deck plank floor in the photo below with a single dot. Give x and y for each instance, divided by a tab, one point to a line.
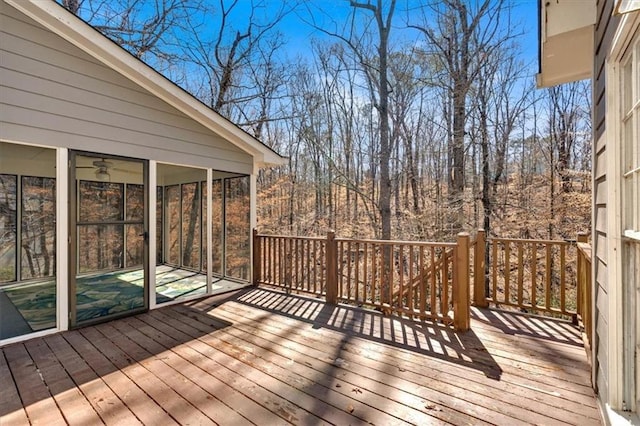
261	357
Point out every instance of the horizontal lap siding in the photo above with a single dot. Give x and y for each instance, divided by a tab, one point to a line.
604	31
52	93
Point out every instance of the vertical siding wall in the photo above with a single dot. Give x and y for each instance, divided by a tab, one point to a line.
605	29
52	93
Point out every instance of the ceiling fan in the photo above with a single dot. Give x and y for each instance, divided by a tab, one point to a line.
102	168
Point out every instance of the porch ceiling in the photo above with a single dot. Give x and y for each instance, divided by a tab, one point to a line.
566	41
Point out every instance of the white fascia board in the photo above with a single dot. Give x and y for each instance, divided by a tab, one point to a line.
58	20
560	17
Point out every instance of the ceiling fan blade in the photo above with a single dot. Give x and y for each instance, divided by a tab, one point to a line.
133	172
102	163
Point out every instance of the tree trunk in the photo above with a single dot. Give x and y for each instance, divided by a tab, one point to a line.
456	160
194	213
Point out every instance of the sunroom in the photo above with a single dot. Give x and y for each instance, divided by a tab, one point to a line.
119	192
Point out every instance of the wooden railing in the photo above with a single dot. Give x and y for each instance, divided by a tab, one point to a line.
585	304
415	279
297	264
431	280
537	276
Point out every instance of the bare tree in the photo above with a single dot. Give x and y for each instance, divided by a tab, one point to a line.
568	123
228	54
72	6
405	121
147	30
462	31
372	58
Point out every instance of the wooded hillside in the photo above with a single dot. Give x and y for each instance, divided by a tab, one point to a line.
403	119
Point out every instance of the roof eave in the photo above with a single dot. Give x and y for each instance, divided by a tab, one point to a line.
57	19
565	37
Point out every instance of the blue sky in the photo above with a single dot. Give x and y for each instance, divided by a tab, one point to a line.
299	34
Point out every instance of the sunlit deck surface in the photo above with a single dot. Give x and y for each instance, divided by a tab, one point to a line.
262	357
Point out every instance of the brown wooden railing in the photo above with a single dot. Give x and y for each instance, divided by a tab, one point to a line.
431	280
585	305
407	278
415	279
536	276
296	264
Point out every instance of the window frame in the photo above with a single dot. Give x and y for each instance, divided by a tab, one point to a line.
16	231
630	149
623	328
18	217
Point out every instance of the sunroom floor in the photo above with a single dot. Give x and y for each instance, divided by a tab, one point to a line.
31	306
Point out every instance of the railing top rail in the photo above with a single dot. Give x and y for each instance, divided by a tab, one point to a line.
292	237
585	248
532	241
398	242
367	241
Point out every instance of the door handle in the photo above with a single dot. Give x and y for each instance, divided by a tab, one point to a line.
144	235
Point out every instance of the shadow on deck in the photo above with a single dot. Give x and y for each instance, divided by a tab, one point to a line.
259	356
423	337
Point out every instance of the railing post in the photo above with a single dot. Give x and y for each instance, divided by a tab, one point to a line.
479	276
583	286
332	268
256	257
461	321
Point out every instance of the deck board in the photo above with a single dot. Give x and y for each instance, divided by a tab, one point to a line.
262	357
73	404
460	388
311	384
11	407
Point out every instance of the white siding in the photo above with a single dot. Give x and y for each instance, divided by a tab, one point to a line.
599	251
605	26
54	94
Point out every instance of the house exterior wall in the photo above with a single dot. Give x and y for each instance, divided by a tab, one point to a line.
54	94
605	29
617	284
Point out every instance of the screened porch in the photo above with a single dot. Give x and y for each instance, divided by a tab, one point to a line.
201	236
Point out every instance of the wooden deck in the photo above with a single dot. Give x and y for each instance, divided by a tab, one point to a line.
261	357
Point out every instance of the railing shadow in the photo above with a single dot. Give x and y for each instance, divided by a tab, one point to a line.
556	341
428	338
534	326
